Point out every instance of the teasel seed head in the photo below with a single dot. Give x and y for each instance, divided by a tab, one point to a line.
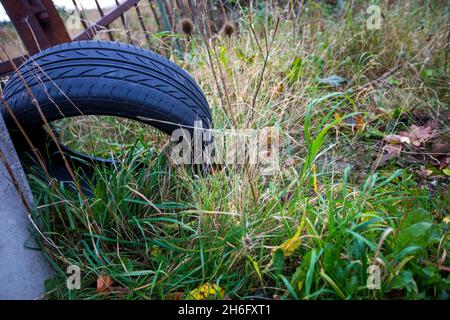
187	26
228	29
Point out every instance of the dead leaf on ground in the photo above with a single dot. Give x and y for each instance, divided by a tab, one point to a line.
103	283
355	123
286	197
175	296
390	151
440	148
444	162
415	137
279	89
419	135
289	162
120	291
424	173
207	291
397	139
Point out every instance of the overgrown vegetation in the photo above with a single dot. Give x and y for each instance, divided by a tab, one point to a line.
351	196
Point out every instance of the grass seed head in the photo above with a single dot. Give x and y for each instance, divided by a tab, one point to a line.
187	26
228	29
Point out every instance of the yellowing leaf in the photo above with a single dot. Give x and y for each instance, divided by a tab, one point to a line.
446	171
360	123
207	291
290	245
300	285
256	267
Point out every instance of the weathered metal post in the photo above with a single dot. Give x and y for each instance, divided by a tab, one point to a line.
37	22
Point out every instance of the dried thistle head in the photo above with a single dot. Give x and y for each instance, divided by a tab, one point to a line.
187	26
228	28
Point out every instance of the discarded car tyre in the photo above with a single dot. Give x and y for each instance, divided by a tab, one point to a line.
104	78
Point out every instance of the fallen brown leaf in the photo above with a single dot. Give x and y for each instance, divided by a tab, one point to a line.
445	268
397	139
103	283
286	197
390	151
419	135
440	148
279	89
120	291
360	122
289	162
424	173
175	296
444	162
356	123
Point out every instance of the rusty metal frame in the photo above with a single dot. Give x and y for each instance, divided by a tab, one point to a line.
37	22
39	25
109	18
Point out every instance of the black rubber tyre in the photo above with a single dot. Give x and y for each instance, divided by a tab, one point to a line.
105	78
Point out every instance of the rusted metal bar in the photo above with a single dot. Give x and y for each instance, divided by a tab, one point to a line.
7	67
170	21
141	21
37	22
106	20
102	14
124	22
37	37
182	8
155	14
83	18
164	15
192	9
170	14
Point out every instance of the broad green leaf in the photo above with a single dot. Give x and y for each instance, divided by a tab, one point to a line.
278	260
